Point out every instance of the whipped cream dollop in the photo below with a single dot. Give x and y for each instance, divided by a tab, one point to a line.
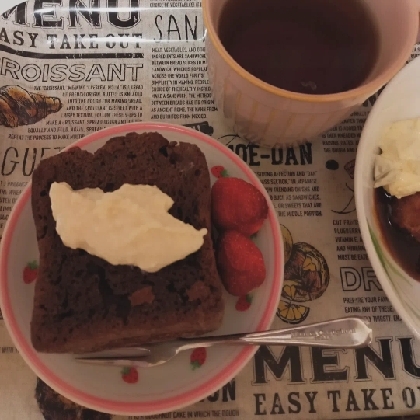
397	168
129	226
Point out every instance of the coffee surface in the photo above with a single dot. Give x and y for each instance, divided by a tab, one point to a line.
307	46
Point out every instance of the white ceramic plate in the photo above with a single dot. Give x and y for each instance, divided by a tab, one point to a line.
400	100
159	389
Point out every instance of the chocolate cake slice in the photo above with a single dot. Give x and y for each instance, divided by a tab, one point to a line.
83	303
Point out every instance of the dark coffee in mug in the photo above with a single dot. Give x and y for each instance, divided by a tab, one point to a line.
307	46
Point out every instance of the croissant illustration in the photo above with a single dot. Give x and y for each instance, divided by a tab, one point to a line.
19	107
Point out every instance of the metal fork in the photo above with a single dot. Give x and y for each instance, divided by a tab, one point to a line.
349	332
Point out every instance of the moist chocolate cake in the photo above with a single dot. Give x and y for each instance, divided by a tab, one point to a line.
83	303
54	406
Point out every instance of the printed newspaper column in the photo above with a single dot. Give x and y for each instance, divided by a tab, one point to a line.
361	291
180	89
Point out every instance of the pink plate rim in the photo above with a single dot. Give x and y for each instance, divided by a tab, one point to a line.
160	405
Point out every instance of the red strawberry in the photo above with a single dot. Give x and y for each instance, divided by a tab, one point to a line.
130	375
238	205
241	264
219	171
243	303
198	357
30	272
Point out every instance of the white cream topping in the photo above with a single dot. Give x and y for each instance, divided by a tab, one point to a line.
397	168
130	226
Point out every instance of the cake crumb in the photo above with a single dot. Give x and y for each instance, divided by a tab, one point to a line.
197	291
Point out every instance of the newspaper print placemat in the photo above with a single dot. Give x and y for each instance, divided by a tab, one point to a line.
71	67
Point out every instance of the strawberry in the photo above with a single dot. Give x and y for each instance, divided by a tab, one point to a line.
238	205
198	357
243	303
240	262
219	171
130	375
30	272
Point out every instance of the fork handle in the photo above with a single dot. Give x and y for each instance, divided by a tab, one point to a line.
349	332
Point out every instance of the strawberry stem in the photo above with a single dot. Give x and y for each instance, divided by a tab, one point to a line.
33	265
195	365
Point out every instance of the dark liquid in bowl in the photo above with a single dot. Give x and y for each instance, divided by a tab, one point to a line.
402	246
307	46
